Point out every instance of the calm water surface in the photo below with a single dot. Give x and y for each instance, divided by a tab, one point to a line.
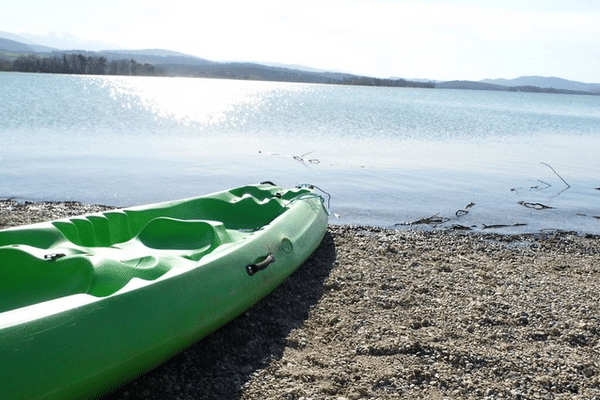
386	155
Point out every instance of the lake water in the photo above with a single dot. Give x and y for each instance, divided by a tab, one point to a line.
386	155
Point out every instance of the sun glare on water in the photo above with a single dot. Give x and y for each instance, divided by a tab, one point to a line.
188	101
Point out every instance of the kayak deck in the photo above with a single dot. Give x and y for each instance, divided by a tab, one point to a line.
99	254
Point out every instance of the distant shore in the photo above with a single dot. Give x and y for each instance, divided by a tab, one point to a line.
387	314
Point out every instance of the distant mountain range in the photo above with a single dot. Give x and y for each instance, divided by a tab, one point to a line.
57	41
535	84
9	44
546	82
179	64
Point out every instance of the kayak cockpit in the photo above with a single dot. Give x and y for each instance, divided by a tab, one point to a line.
99	254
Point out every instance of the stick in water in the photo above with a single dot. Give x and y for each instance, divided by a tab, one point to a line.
556	173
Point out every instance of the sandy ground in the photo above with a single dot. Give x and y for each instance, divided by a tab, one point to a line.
384	314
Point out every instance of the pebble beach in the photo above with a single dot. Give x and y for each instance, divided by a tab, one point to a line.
398	314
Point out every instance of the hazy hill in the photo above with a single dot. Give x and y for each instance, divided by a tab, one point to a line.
21	41
251	71
179	64
11	45
546	82
65	41
151	52
172	63
472	85
469	85
158	57
301	68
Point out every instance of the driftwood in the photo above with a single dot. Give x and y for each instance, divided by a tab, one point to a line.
536	206
458	227
460	213
546	184
502	225
297	158
433	220
310	160
565	182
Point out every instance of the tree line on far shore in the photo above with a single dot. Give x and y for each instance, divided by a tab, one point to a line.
368	81
78	64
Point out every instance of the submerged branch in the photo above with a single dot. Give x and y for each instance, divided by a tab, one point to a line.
502	225
433	221
537	206
547	165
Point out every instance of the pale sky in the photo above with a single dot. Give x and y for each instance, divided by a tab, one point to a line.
433	39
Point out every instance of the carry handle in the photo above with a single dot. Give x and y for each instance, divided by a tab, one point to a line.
254	268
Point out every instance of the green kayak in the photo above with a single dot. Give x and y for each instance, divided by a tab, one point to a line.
89	303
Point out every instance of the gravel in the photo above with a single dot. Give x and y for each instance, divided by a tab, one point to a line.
399	314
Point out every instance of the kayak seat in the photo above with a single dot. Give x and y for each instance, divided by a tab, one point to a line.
111	275
176	234
166	239
40	237
101	230
238	210
27	279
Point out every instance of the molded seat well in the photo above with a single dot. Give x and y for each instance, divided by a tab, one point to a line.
26	279
181	230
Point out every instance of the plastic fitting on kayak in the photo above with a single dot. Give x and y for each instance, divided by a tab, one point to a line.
53	256
254	268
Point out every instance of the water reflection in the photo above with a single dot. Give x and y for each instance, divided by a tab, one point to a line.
387	155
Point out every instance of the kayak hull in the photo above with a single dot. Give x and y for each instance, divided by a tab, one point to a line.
172	274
